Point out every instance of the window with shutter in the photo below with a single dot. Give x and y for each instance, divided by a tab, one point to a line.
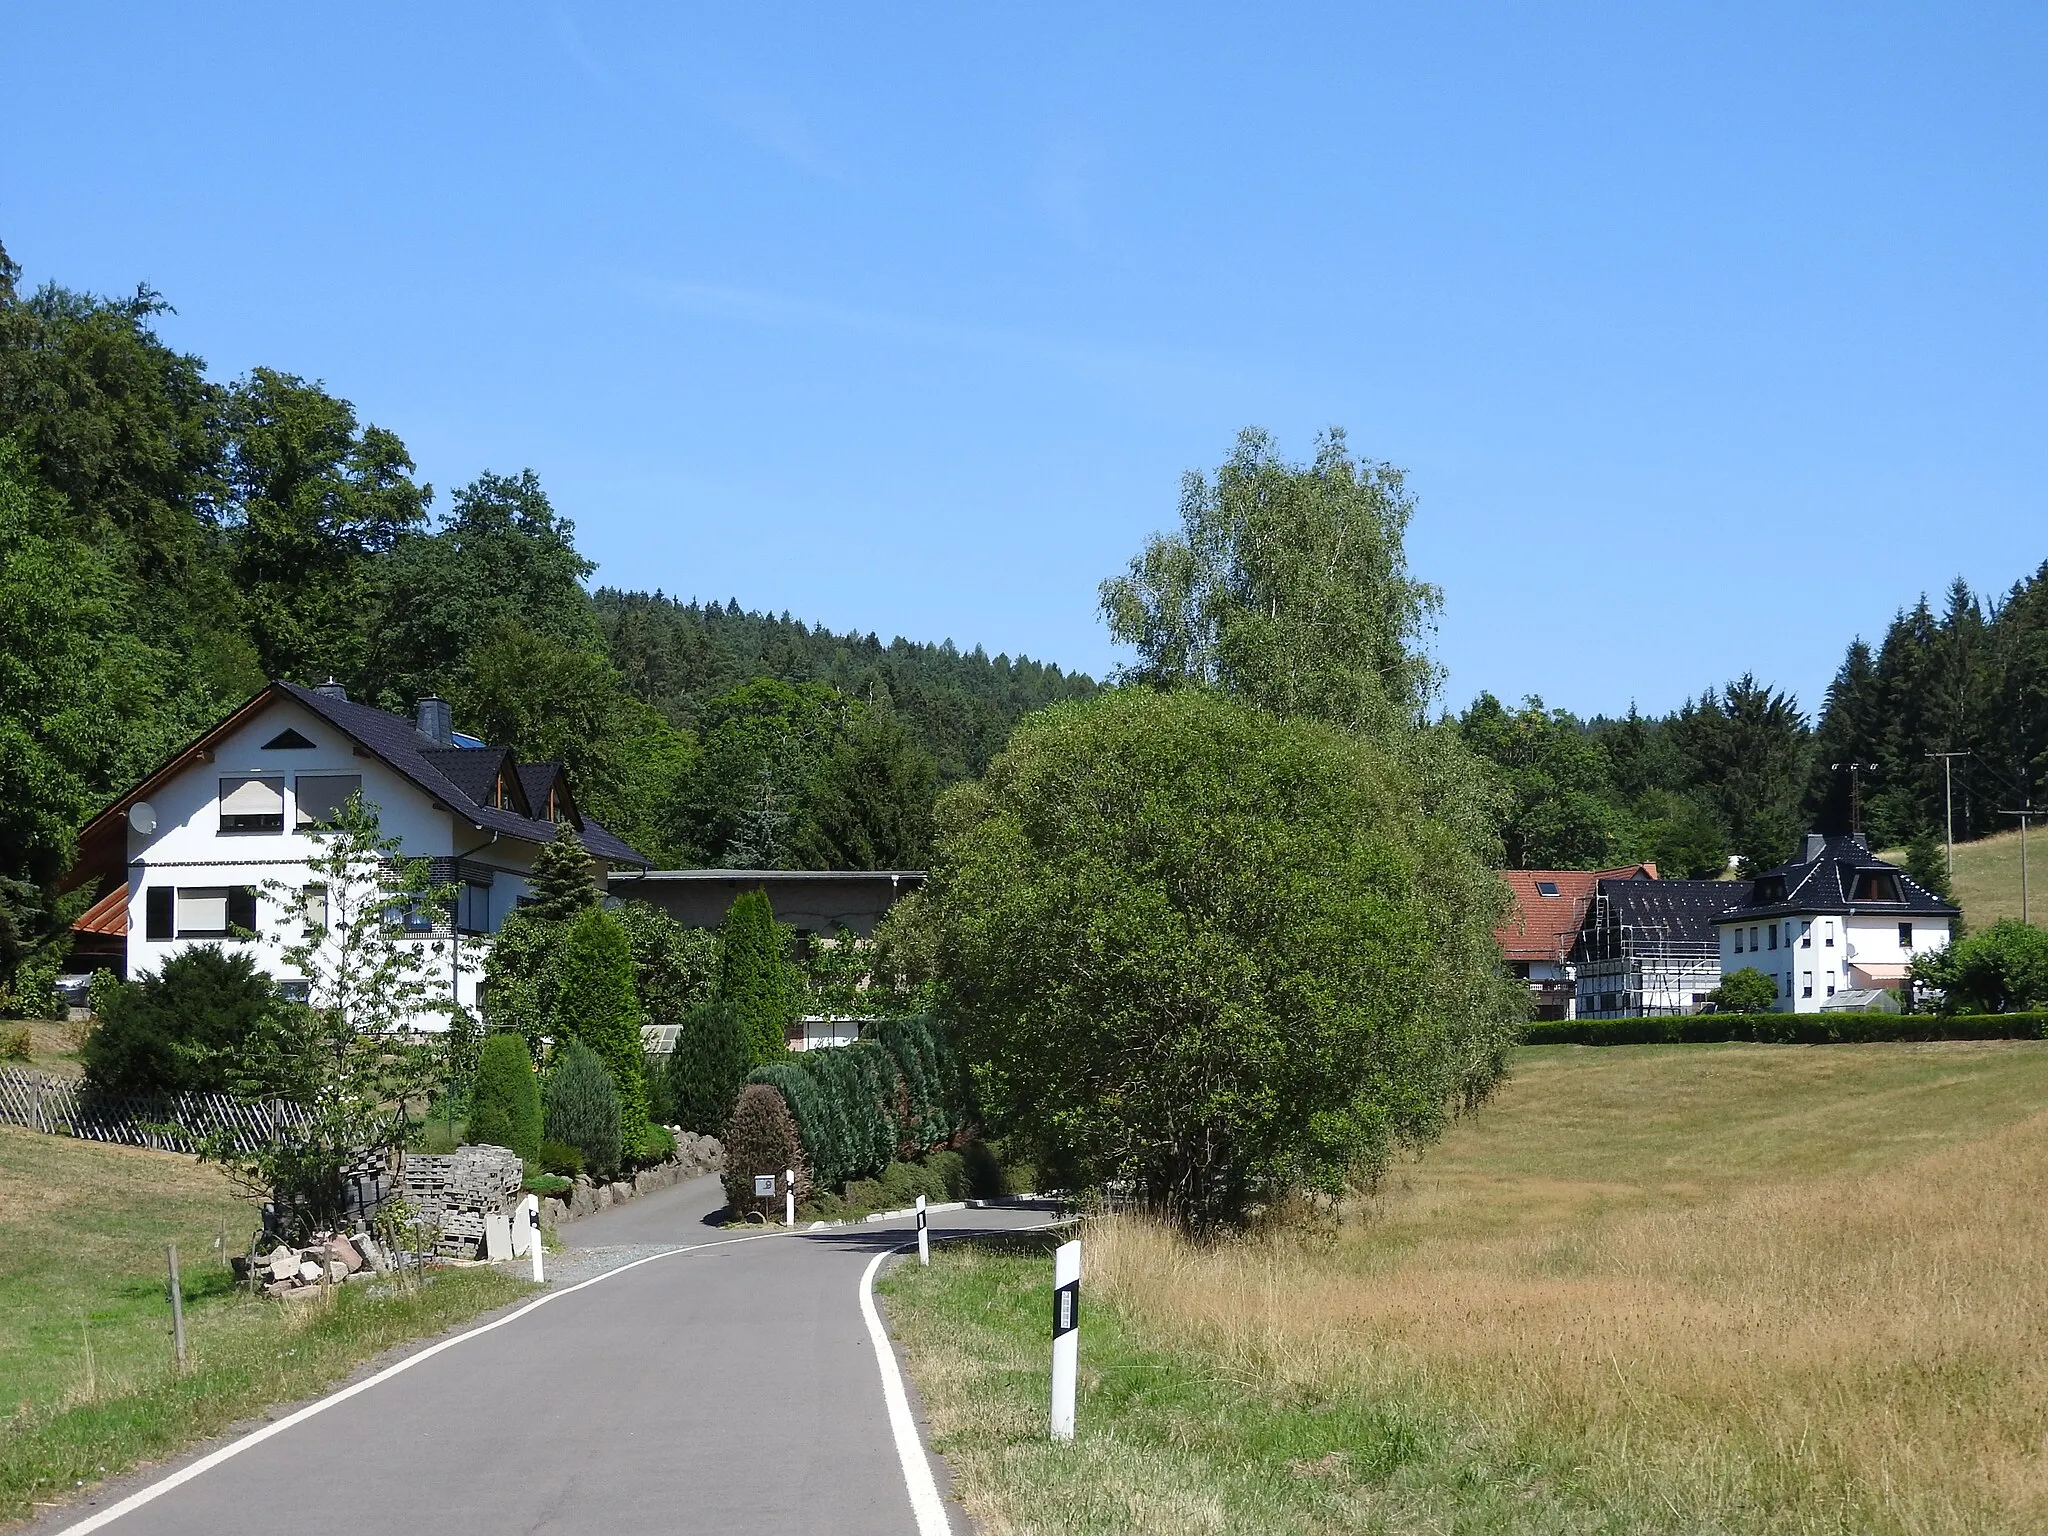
251	804
322	795
202	912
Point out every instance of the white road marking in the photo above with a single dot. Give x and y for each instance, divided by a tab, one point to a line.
925	1502
255	1437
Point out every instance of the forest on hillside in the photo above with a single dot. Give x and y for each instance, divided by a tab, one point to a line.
1741	771
169	541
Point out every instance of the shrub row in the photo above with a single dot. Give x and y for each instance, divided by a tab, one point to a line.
858	1106
1788	1028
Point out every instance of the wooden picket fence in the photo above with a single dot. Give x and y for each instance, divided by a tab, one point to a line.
59	1106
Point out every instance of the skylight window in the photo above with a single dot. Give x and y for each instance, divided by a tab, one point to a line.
1546	887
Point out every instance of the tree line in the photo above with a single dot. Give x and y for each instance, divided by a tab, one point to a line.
1741	771
170	540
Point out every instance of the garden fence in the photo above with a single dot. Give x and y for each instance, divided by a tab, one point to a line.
61	1106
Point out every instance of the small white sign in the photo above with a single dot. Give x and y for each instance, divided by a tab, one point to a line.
764	1186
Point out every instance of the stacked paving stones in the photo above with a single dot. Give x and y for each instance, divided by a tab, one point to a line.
456	1191
695	1155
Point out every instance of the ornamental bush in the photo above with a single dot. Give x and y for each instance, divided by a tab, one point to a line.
1748	990
504	1106
762	1137
580	1106
184	1028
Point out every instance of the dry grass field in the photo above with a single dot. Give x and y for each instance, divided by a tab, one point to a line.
1651	1288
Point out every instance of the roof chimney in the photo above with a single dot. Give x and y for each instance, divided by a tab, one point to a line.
1815	843
331	689
437	720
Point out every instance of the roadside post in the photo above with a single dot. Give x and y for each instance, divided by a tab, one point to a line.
177	1305
924	1241
789	1197
530	1207
1066	1336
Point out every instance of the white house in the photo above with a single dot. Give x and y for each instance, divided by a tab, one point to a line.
1836	921
196	851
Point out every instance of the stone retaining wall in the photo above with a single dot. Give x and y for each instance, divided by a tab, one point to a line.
695	1156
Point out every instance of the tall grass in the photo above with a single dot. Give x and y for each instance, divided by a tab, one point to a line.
1649	1289
1867	1351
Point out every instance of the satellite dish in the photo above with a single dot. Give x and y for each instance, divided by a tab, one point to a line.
142	817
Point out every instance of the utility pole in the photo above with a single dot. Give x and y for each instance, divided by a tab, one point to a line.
1948	795
1856	772
2025	815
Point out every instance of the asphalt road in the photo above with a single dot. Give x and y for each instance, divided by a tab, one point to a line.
727	1388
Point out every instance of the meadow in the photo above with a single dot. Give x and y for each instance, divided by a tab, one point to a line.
1685	1289
1987	878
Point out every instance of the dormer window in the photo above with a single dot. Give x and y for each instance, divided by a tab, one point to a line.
1876	885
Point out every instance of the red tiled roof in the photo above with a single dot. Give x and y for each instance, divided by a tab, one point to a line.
1542	927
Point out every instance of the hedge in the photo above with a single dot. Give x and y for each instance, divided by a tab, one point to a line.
1787	1028
858	1106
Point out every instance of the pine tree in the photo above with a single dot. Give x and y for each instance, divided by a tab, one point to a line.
755	977
599	1008
562	884
583	1108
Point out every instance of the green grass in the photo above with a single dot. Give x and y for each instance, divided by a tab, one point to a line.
1672	1289
91	1385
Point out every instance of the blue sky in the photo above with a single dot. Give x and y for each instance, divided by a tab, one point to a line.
1708	336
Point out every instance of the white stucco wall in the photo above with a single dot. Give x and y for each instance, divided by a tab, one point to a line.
1813	953
188	848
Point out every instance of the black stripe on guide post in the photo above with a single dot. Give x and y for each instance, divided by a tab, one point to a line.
1066	1308
920	1220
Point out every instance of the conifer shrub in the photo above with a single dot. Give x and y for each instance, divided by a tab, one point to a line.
808	1109
600	1009
563	884
756	978
762	1137
560	1158
707	1067
183	1028
504	1108
580	1106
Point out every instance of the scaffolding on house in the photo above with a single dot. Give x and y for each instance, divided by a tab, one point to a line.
1636	966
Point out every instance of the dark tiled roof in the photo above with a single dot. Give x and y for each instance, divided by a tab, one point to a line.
1826	882
1680	908
473	770
446	772
537	779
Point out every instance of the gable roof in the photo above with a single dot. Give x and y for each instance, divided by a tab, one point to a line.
1542	927
458	779
1825	881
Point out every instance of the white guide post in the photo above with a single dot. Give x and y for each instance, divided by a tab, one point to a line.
1066	1336
789	1197
530	1207
924	1241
